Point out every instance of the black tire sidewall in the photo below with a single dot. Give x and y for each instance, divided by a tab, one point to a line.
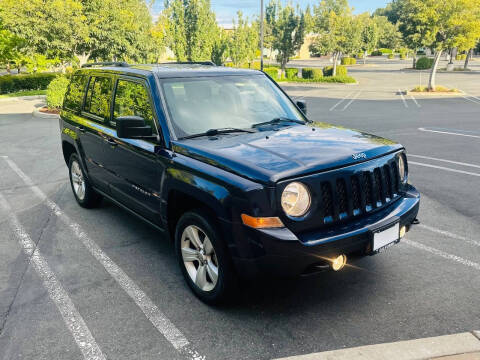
226	279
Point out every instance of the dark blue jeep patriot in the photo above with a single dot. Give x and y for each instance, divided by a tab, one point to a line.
230	167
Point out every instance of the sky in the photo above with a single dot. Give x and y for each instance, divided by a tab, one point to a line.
226	9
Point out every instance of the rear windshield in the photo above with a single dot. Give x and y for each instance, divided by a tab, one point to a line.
201	104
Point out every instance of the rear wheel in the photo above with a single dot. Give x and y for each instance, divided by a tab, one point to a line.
82	190
203	258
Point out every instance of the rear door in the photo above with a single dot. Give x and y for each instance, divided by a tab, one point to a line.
93	128
133	162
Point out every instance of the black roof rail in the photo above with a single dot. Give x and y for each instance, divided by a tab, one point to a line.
209	63
111	63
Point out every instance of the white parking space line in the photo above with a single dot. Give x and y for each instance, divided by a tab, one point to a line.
403	98
444	168
449	133
442	254
341	101
471	99
352	100
449	234
443	160
416	102
151	311
73	320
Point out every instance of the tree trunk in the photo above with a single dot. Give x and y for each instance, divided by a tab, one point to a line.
453	54
83	58
433	72
8	68
467	59
365	54
335	57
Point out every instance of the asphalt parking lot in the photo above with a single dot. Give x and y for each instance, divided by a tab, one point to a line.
113	282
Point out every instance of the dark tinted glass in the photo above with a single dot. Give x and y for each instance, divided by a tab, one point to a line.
74	95
98	97
132	98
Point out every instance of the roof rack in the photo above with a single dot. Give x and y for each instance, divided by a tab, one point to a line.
111	63
209	63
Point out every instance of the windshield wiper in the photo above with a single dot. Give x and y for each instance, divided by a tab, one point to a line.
278	120
213	132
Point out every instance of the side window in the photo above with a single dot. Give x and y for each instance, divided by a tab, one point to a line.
74	95
98	97
132	98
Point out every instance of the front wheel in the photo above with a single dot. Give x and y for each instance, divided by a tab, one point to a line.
203	258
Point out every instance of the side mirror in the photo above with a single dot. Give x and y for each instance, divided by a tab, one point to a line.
131	127
302	105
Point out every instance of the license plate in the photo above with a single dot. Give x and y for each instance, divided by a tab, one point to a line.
385	238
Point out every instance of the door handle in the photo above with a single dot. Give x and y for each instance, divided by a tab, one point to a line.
81	129
110	141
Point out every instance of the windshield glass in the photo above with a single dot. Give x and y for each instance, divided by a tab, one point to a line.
201	104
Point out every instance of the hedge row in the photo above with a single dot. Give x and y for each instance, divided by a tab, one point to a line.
311	73
13	83
341	70
424	63
349	61
461	57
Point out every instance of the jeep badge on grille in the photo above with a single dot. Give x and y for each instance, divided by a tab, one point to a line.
359	156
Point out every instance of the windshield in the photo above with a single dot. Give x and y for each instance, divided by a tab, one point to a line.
201	104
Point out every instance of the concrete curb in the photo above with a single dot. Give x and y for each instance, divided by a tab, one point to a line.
434	94
18	98
42	115
419	349
476	333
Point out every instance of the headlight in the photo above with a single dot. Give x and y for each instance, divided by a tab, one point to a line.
402	168
296	199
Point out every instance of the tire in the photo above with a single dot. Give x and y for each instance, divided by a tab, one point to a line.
208	289
82	190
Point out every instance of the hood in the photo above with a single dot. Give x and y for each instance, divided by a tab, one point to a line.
269	156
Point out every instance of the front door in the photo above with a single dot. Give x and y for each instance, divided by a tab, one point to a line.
133	163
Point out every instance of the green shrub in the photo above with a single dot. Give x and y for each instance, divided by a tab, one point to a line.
56	92
391	56
13	83
312	73
291	73
360	55
377	53
385	51
272	72
348	61
343	79
341	70
461	57
403	56
424	63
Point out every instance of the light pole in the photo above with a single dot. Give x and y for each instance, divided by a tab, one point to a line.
261	35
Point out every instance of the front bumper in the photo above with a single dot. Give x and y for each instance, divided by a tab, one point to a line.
279	252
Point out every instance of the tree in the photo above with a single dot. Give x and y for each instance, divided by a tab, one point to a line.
338	31
441	25
309	20
288	32
243	43
220	47
389	37
11	47
369	34
192	29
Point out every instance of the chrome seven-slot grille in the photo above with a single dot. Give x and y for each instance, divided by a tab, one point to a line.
359	193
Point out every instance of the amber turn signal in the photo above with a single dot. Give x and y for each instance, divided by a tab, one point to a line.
262	222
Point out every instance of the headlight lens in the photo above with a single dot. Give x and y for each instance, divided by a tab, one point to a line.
296	199
402	168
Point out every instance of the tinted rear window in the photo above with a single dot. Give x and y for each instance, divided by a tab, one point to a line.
74	95
99	94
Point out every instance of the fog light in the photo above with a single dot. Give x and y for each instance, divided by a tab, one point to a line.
339	262
403	230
